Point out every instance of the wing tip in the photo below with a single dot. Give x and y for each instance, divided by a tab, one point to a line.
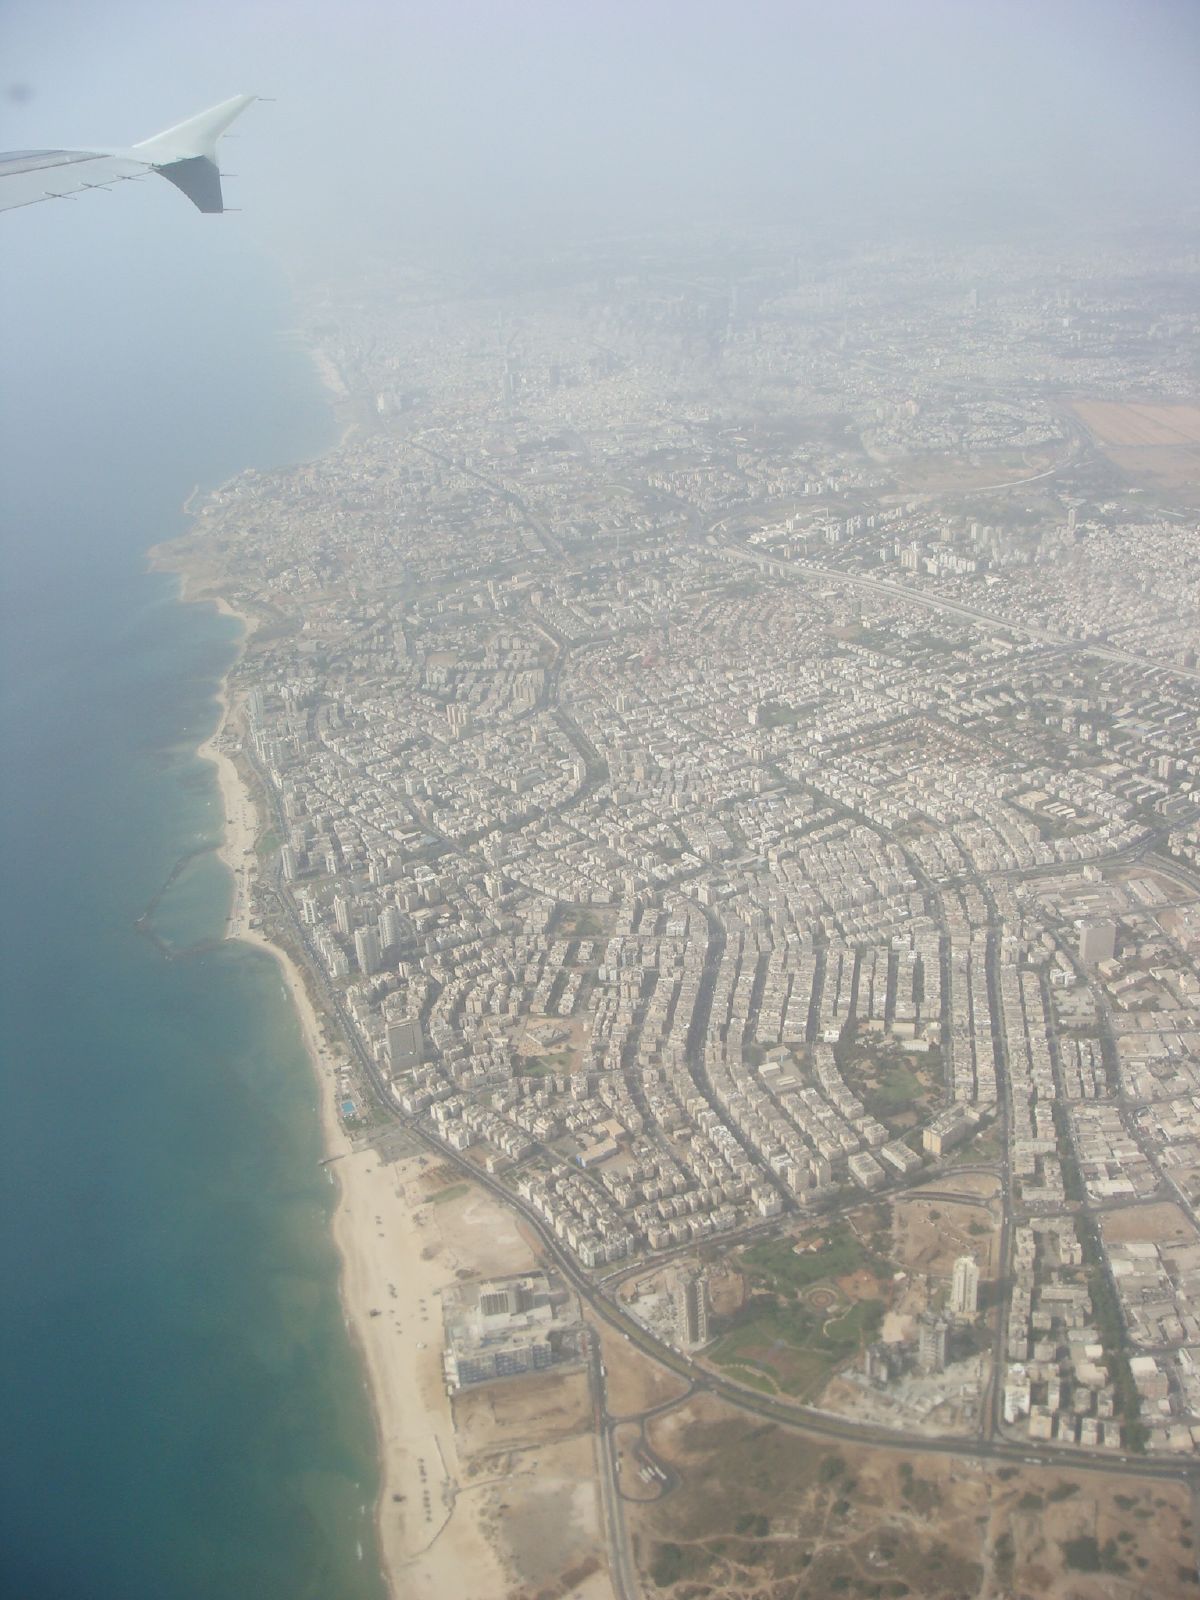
195	136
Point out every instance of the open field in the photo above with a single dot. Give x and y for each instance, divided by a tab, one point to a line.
477	1237
764	1513
635	1383
541	1512
948	474
1156	442
528	1464
1165	1224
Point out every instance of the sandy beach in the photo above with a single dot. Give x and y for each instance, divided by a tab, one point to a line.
394	1266
453	1519
240	814
393	1270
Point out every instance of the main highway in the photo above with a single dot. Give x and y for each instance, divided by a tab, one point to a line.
800	570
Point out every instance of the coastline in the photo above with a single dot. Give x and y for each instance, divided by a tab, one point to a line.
393	1257
439	1512
240	823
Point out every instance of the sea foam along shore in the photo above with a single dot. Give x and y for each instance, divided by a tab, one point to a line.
431	1535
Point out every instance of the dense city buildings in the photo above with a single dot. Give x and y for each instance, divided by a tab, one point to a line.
732	727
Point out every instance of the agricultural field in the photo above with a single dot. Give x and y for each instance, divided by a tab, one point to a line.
1159	444
1135	424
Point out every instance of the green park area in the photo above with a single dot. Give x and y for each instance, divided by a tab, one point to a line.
541	1066
792	1350
797	1324
899	1087
583	922
267	843
779	1266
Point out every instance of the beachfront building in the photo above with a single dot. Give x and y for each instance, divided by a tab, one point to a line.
503	1327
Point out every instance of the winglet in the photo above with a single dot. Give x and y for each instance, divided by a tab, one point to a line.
196	137
186	153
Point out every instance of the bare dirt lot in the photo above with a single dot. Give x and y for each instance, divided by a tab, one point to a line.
521	1413
930	1234
1163	1224
481	1237
764	1513
543	1517
529	1465
635	1382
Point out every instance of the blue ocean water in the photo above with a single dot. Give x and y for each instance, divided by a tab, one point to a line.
182	1413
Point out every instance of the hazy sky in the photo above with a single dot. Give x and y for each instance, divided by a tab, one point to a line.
496	116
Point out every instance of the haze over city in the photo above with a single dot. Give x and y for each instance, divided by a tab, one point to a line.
399	122
602	688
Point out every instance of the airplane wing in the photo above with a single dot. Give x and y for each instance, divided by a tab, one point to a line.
27	176
185	155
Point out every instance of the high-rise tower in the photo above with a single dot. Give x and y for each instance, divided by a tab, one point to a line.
964	1289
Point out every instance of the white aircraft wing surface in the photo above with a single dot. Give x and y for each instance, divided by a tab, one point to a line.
185	155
